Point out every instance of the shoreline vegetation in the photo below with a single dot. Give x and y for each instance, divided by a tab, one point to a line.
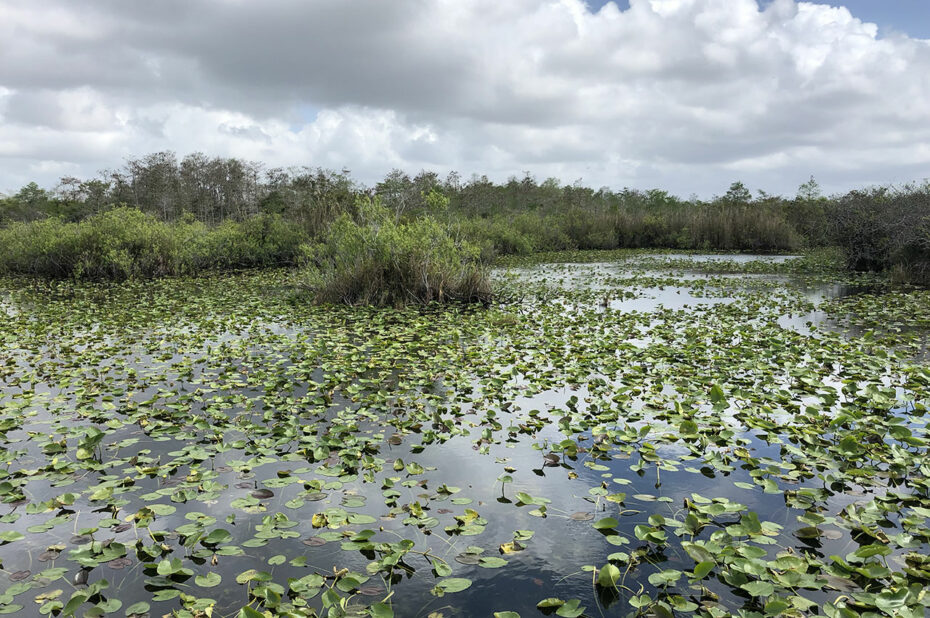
421	239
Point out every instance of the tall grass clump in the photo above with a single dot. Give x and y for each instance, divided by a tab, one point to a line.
699	227
373	259
753	228
126	243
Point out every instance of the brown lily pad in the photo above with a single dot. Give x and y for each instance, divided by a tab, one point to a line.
466	558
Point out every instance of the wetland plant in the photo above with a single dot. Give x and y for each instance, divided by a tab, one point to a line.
204	447
126	243
374	260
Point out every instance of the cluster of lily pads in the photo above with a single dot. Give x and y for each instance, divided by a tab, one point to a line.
645	436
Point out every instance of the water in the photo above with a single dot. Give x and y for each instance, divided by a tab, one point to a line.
591	348
735	258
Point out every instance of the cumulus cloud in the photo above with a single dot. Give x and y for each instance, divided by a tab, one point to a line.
681	94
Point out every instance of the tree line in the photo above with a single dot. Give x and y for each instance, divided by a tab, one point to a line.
881	228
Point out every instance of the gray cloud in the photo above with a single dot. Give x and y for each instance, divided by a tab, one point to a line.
682	94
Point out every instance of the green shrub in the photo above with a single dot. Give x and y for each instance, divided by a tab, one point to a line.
125	243
117	244
374	260
496	236
262	240
546	233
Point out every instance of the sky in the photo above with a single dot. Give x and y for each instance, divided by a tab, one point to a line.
682	95
911	17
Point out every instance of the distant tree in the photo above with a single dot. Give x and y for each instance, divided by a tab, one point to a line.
551	184
155	183
69	189
95	195
453	182
809	191
29	203
737	194
397	192
658	198
426	181
770	199
477	198
32	196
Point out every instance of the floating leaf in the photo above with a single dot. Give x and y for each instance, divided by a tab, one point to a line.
492	562
570	609
208	580
454	584
759	588
138	609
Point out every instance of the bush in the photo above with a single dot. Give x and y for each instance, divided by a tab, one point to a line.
497	237
118	244
125	243
546	233
260	241
374	260
881	229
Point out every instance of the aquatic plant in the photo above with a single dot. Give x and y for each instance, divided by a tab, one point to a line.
377	261
705	444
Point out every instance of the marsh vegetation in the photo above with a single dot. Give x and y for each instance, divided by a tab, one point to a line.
230	391
634	433
160	216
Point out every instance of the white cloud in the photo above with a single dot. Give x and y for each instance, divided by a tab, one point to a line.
681	94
